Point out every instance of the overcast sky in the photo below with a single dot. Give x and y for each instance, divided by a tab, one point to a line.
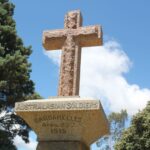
117	73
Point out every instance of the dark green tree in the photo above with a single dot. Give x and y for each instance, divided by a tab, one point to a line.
137	136
6	142
117	124
15	70
15	82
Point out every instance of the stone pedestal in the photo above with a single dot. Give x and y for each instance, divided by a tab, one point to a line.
74	145
64	123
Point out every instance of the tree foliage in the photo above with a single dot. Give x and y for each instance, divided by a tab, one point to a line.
6	142
137	136
117	125
15	82
15	70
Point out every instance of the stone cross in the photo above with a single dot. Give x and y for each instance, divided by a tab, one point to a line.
70	40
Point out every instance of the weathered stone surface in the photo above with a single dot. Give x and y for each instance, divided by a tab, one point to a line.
67	123
70	40
86	36
65	119
75	145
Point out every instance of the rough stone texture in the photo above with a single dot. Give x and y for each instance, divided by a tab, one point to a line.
70	40
65	119
67	123
75	145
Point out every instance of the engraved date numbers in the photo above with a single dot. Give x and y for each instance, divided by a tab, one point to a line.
58	131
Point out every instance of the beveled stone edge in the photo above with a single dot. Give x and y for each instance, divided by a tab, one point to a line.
63	104
62	98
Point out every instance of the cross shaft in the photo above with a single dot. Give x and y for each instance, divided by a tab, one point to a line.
70	40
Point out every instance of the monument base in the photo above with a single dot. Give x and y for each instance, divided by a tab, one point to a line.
64	123
74	145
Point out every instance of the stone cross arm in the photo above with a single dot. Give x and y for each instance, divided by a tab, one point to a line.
84	36
71	39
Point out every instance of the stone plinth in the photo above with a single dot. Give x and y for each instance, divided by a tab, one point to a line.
75	145
70	120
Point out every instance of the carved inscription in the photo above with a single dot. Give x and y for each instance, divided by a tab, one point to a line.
58	131
58	117
59	123
63	105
